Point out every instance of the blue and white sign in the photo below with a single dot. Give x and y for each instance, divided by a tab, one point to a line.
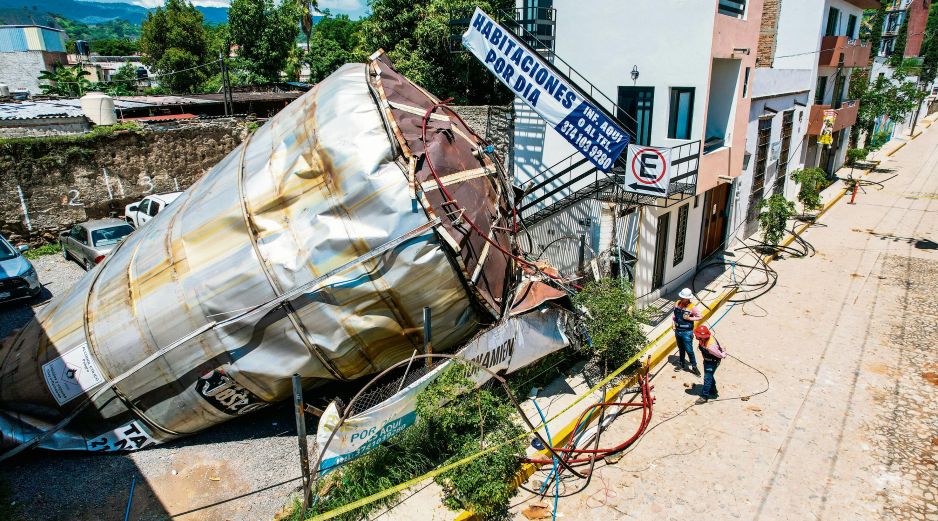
546	91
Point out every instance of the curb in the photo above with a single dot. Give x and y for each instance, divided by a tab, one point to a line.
656	356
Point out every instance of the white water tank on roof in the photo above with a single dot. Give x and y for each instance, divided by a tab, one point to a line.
99	108
4	90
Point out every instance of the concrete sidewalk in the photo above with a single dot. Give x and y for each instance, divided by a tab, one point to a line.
842	424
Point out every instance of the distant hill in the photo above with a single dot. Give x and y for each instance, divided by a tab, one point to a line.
89	12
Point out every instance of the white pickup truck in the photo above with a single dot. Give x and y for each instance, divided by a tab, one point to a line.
142	211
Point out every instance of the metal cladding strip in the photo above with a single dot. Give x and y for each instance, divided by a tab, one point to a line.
386	107
310	287
265	268
458	177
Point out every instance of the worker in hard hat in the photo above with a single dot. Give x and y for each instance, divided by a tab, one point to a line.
684	317
712	353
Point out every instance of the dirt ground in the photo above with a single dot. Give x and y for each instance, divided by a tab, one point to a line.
240	471
842	425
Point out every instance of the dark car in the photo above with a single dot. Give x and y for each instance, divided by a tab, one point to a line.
18	278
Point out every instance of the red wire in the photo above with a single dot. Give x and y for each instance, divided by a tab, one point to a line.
451	200
646	404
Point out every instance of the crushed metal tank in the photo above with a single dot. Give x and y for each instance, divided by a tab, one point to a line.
312	249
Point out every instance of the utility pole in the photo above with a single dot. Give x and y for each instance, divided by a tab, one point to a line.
226	82
918	109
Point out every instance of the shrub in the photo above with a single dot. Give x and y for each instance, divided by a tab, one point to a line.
855	155
452	422
41	251
812	181
613	323
774	215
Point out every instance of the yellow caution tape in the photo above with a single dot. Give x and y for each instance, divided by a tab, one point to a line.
529	468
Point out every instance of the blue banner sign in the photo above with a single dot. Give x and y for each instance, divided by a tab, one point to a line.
546	91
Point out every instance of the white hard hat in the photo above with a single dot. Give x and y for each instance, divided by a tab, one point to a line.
686	293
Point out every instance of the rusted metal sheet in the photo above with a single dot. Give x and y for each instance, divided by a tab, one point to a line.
312	249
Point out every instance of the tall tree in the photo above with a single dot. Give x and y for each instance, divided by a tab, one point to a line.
898	49
265	33
415	33
930	46
336	40
173	42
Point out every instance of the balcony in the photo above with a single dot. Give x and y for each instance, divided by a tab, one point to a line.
846	117
843	51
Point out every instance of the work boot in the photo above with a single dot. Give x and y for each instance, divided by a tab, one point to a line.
694	370
679	368
700	401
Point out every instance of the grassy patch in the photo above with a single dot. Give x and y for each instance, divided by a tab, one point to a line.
96	132
46	249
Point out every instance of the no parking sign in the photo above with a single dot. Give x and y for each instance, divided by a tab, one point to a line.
648	170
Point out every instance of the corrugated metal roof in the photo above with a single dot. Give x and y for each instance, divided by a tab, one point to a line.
37	109
165	117
31	38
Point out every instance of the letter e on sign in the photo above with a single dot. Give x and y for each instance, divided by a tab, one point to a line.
649	170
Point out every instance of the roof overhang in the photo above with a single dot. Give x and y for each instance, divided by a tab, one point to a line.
865	4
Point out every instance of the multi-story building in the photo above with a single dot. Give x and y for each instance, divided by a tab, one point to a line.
26	51
913	12
913	16
675	74
806	53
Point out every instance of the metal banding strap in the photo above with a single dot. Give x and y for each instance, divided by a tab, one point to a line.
309	287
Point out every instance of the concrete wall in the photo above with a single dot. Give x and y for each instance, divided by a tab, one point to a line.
65	181
20	70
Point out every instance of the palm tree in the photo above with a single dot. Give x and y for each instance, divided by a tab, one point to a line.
65	81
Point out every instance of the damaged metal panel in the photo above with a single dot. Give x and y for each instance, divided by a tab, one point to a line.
304	251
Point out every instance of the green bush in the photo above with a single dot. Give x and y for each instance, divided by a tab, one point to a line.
855	155
878	140
774	215
613	323
811	181
452	423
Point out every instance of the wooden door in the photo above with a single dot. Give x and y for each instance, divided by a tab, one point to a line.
661	250
714	219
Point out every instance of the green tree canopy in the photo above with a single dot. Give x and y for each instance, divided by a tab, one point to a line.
122	83
63	80
336	40
898	49
265	33
115	47
930	46
415	34
173	38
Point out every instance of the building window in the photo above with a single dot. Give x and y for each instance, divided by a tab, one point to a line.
682	112
851	26
833	19
680	237
758	174
819	91
787	119
734	8
746	83
635	111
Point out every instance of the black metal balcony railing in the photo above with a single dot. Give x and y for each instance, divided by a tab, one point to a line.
734	8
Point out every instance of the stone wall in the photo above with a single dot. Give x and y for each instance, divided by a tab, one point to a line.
59	182
68	180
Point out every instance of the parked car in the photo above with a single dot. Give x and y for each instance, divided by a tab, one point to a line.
142	211
18	278
88	243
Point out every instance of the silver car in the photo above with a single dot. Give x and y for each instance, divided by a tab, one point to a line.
89	242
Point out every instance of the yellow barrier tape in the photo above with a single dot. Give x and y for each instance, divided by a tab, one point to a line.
567	431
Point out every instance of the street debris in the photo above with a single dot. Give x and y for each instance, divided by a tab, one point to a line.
310	249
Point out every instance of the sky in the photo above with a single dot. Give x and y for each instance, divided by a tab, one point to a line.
353	8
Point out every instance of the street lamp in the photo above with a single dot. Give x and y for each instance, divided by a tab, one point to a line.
634	74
